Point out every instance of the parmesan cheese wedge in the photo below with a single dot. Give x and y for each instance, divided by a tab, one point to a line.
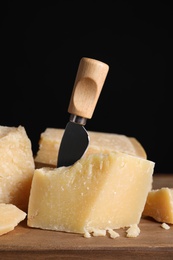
159	205
99	143
16	166
98	192
10	216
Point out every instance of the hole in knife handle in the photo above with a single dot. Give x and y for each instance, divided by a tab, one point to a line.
84	98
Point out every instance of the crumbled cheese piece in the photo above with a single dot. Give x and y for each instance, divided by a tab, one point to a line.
10	216
98	232
165	226
113	234
133	231
87	234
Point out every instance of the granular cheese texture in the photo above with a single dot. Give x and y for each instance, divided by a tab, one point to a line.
159	205
16	166
10	216
99	143
98	193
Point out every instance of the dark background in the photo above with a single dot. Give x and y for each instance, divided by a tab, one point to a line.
42	44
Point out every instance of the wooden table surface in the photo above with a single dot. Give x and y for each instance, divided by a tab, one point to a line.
153	242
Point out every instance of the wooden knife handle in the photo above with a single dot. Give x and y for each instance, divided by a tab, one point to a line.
88	84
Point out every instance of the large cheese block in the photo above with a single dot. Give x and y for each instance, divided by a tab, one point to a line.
99	143
10	217
159	205
16	166
98	192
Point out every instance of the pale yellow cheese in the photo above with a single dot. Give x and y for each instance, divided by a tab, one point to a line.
99	143
165	226
159	205
98	192
133	231
10	216
112	234
16	166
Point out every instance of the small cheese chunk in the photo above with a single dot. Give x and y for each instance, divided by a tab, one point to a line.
100	191
133	231
159	205
98	232
99	143
165	226
10	216
16	166
113	234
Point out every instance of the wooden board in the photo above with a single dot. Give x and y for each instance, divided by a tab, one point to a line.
153	242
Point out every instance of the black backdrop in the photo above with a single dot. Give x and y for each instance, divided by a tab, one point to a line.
42	44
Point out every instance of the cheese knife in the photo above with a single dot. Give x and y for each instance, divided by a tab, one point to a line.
91	75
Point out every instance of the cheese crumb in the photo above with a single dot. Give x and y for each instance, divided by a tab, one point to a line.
133	231
98	232
87	234
101	232
95	232
165	226
113	234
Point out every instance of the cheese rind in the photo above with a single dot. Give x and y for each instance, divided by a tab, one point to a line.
99	143
100	191
16	166
10	216
159	205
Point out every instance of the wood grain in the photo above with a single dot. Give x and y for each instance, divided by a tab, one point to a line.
153	242
88	84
